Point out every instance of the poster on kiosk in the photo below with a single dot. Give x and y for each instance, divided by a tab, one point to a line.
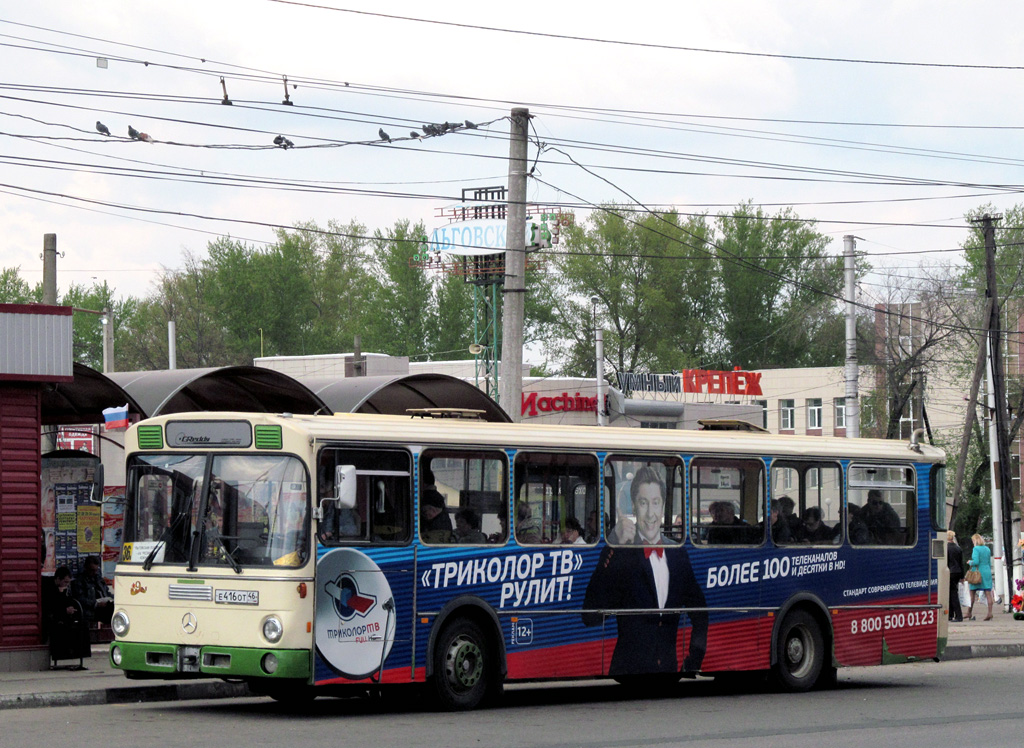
71	509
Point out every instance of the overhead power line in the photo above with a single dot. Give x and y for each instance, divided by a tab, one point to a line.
651	45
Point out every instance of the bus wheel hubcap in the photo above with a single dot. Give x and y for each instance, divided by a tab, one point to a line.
464	664
797	652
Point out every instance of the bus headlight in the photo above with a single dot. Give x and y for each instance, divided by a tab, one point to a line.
269	663
120	623
115	655
272	629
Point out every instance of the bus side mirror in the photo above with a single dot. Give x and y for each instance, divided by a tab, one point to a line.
344	490
345	486
96	496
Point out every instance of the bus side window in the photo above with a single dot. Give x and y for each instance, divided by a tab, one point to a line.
808	497
463	497
727	500
882	505
648	499
383	503
552	488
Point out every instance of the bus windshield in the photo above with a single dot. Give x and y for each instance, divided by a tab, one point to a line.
230	510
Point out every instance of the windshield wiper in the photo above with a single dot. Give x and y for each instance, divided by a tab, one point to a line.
237	567
164	536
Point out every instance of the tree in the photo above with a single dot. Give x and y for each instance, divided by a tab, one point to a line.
779	291
182	297
654	283
87	336
404	315
916	321
15	290
455	317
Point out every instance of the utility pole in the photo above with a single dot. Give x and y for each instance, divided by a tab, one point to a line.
852	402
49	440
107	320
1002	482
510	373
172	345
50	269
600	377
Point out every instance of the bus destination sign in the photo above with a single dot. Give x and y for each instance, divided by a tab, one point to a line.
208	434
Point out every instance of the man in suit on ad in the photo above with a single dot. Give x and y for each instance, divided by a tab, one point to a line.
648	571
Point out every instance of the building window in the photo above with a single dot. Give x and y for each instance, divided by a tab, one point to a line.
840	404
764	412
814	414
657	424
787	415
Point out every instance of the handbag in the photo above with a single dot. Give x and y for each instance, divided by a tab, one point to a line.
973	576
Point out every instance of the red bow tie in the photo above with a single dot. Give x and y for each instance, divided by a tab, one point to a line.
649	550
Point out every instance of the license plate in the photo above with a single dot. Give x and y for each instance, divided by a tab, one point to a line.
237	597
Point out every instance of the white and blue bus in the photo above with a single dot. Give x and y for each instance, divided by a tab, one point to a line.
315	555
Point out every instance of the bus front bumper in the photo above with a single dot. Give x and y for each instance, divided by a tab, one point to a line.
149	660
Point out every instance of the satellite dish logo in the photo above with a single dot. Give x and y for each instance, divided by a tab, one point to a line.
349	602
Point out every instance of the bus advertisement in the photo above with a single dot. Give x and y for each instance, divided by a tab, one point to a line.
313	555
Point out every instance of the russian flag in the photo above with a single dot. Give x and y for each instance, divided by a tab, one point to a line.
115	419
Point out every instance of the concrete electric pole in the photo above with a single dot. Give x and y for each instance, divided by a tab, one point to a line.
50	269
851	405
510	371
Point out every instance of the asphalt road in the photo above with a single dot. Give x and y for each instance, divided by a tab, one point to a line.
969	702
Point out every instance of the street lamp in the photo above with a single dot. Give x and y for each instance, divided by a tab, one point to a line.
599	353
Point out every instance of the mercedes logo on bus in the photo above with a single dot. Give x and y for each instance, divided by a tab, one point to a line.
189	623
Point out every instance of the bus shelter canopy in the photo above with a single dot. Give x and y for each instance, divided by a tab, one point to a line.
83	399
241	388
397	395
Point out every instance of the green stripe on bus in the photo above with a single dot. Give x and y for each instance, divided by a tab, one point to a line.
215	661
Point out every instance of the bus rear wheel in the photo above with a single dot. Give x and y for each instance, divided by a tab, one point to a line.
799	653
464	667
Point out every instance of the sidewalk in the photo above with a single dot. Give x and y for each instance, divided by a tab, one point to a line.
102	684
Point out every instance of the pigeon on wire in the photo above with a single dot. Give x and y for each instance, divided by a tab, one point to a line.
383	135
470	125
133	133
101	128
282	141
144	137
414	135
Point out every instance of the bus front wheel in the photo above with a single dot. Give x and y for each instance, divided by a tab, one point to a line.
464	667
800	652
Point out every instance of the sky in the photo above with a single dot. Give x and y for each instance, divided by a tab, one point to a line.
695	106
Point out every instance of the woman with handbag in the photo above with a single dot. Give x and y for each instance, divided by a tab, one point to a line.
979	576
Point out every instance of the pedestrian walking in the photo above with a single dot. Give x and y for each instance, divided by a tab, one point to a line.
981	561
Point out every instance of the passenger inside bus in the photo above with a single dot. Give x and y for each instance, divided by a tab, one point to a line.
435	522
881	519
527	526
779	526
726	528
467	526
814	530
787	508
859	534
573	534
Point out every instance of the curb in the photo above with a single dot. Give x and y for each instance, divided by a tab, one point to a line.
128	695
972	651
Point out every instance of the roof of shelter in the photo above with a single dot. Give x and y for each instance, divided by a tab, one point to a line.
396	395
238	388
83	399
